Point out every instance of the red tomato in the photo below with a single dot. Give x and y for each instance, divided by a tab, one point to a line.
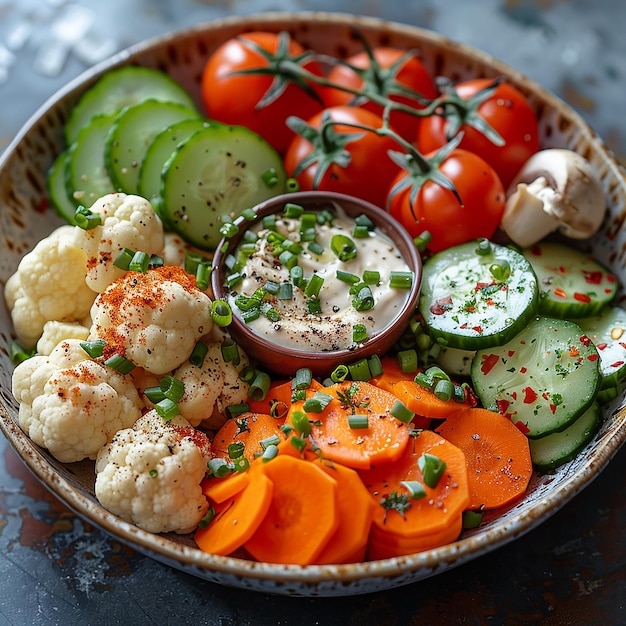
381	79
369	171
437	210
506	110
234	99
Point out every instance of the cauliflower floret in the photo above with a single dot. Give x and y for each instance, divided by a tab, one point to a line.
73	405
176	248
153	319
209	389
128	221
49	284
55	332
150	474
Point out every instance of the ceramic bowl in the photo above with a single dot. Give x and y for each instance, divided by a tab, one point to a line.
23	169
285	360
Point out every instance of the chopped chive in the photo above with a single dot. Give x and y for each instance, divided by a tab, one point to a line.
247	374
198	354
501	270
308	222
269	453
339	374
432	468
139	262
18	354
124	258
407	360
270	177
269	221
285	292
314	306
120	364
422	240
288	259
364	220
292	185
314	285
259	386
167	409
154	394
203	273
235	450
95	348
221	313
228	229
308	235
86	219
270	312
472	519
233	279
401	412
364	299
375	365
360	231
291	209
371	277
271	287
300	421
172	388
359	333
234	410
360	370
241	464
415	488
318	402
298	443
400	280
296	274
272	440
251	315
484	247
303	378
230	352
249	215
343	247
444	389
315	248
358	421
219	467
347	277
246	303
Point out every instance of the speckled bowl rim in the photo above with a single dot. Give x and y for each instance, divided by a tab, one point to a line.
330	580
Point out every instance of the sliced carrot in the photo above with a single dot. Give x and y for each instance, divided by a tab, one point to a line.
218	490
423	401
277	401
392	374
355	509
497	455
249	429
302	515
237	518
384	438
442	504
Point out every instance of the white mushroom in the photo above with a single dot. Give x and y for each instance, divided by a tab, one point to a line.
556	189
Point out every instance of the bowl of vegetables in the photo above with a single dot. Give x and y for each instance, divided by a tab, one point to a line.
123	188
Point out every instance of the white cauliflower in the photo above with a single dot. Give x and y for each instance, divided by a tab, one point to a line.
55	332
72	405
128	221
49	284
154	319
211	388
176	248
150	474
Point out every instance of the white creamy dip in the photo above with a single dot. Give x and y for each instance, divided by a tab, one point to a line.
331	328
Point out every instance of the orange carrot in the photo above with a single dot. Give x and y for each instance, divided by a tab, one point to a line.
218	490
302	515
355	509
402	516
237	518
277	401
392	374
497	455
423	401
249	429
383	439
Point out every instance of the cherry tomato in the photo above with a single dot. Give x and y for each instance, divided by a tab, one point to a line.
381	78
235	99
369	171
437	210
506	110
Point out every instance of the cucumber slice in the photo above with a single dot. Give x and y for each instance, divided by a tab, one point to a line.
120	88
60	200
477	294
219	171
132	132
455	361
554	450
86	174
543	379
572	284
160	150
607	330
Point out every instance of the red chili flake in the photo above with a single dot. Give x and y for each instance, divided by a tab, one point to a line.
470	308
593	278
560	293
511	353
480	286
522	427
562	269
441	305
489	302
611	278
581	297
477	329
617	364
585	340
536	250
514	395
574	351
608	290
601	346
545	395
530	395
593	357
553	408
503	405
489	363
523	370
623	344
463	326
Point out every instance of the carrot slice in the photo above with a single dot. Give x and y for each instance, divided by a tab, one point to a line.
249	429
302	515
355	509
237	518
277	401
392	374
442	503
497	455
384	438
423	401
220	489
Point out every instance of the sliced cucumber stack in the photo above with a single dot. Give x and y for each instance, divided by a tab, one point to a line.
120	88
131	134
477	294
60	199
543	379
572	284
218	172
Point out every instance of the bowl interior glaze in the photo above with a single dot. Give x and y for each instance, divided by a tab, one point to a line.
23	168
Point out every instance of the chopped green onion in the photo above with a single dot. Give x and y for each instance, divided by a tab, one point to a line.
172	388
259	386
400	280
371	277
139	262
19	354
249	215
235	450
432	468
343	247
472	519
303	378
270	177
288	259
364	299
422	240
401	412
501	270
247	374
270	312
360	370
375	365
292	185
86	219
155	261
296	273
358	421
154	394
271	287
291	209
484	247
339	374
364	220
198	354
407	360
318	402
273	440
300	421
314	306
444	390
359	333
120	364
251	315
153	473
230	352
315	248
234	410
241	464
269	453
219	467
167	409
285	292
314	286
203	273
347	277
360	231
233	279
228	229
269	221
207	518
221	313
123	259
95	348
298	443
246	303
415	488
